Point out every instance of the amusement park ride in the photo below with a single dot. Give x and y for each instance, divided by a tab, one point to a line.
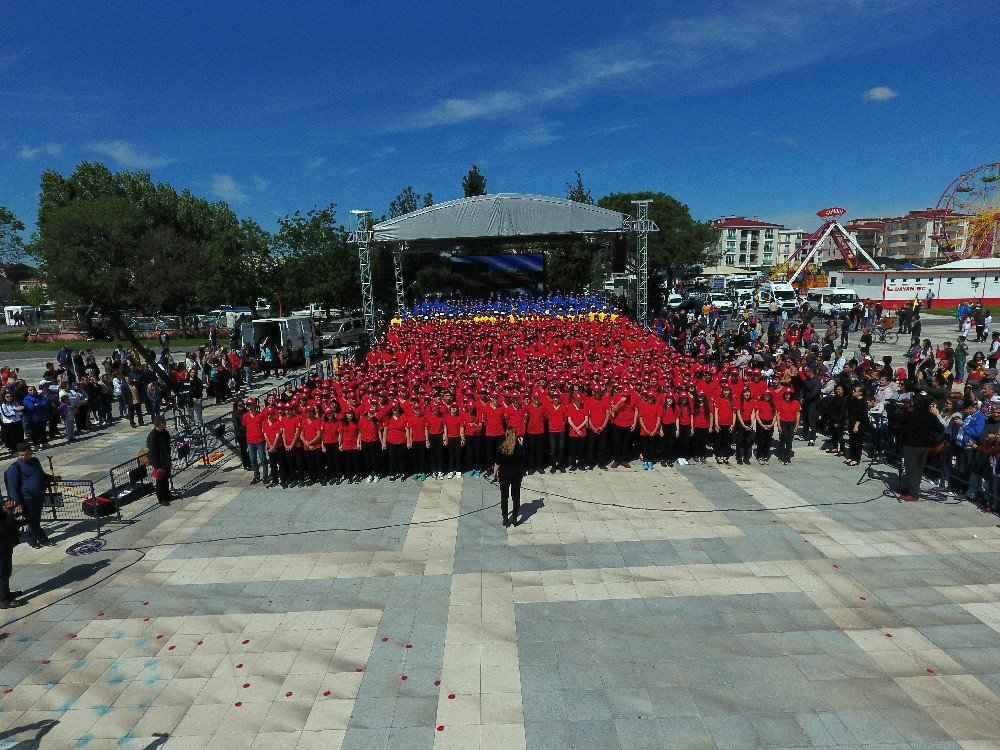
970	203
806	253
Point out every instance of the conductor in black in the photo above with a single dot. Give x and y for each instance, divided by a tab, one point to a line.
509	470
158	455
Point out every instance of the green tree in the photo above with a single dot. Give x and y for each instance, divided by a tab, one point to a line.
428	200
11	243
404	203
578	192
474	183
681	243
313	263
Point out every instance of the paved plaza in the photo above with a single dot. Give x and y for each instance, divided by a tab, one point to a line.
745	608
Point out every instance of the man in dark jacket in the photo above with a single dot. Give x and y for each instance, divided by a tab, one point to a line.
26	484
158	447
9	537
918	429
810	398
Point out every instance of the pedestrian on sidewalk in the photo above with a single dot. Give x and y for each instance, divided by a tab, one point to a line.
26	484
158	455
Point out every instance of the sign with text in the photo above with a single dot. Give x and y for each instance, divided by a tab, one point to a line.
831	213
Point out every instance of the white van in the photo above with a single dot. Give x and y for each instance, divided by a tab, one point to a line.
294	333
780	292
823	299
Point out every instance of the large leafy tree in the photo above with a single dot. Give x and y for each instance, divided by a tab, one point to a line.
404	203
571	266
123	241
680	245
313	263
474	183
11	243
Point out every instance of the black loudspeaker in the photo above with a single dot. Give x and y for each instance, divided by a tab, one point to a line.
364	346
619	255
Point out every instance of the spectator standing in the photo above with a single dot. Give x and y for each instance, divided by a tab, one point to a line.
10	535
11	430
253	424
26	484
158	455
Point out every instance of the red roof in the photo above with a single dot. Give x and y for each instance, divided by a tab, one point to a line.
740	222
865	224
927	213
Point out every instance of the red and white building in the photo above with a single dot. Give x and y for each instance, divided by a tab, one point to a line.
973	279
745	243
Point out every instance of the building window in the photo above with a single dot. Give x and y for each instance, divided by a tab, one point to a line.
769	233
768	260
730	234
730	260
731	245
768	246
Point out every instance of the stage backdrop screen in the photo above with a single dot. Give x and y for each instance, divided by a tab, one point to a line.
482	275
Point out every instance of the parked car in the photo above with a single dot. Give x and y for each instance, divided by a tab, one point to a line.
721	302
343	332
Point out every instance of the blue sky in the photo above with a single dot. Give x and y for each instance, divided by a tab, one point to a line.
754	108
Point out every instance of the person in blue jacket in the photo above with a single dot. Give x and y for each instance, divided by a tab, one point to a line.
37	408
26	484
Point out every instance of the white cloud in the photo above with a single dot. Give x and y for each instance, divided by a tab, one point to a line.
317	162
678	55
260	183
30	152
784	140
226	188
879	94
533	135
126	154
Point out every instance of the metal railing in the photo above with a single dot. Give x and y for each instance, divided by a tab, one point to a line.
74	500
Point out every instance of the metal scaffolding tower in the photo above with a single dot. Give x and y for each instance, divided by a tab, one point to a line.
362	237
642	226
397	266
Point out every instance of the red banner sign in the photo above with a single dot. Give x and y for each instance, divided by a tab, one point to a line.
829	213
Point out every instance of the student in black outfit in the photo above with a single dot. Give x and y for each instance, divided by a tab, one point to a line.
509	470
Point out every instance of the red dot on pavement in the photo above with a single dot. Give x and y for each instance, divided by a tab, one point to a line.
288	694
47	661
451	696
409	645
239	666
238	704
358	669
100	614
385	640
8	691
835	565
326	694
145	619
404	677
145	604
199	643
72	635
245	642
171	648
159	637
888	635
930	671
246	684
862	599
440	727
437	683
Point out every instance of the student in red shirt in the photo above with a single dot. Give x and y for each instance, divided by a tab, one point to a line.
746	406
472	428
765	416
454	439
670	429
534	441
435	434
555	420
789	410
725	418
372	441
350	446
311	431
703	423
623	420
515	416
419	442
397	438
275	447
648	419
253	423
598	419
684	417
491	414
331	446
576	420
291	423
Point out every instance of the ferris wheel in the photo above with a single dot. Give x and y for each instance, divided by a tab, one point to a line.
968	214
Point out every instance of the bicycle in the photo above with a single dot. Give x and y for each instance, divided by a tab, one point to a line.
884	331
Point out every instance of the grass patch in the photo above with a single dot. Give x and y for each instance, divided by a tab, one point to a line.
16	341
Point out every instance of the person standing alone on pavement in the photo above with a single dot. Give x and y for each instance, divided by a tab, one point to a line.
508	470
9	537
26	484
158	455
